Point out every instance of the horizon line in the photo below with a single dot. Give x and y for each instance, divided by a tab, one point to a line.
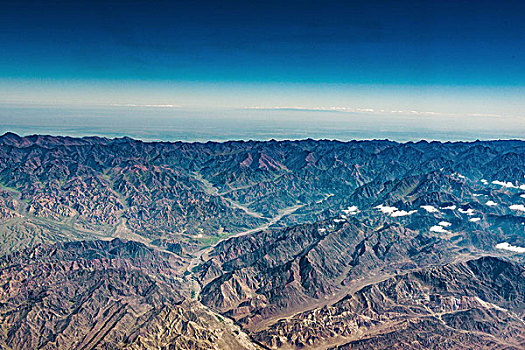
117	138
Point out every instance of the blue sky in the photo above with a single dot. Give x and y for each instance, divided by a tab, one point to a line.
441	57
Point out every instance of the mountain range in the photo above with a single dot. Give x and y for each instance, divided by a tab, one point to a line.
317	244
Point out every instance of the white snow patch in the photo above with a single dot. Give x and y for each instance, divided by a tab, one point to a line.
429	208
504	184
351	210
519	207
321	230
484	181
450	207
506	246
445	224
477	194
439	229
522	187
386	209
339	220
469	211
474	219
491	203
393	211
522	195
403	213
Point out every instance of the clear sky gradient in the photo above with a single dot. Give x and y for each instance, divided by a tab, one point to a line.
431	59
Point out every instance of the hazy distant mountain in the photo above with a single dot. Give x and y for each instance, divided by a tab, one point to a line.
362	244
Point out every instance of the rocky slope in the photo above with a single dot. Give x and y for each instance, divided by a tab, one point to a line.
255	277
104	295
478	303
